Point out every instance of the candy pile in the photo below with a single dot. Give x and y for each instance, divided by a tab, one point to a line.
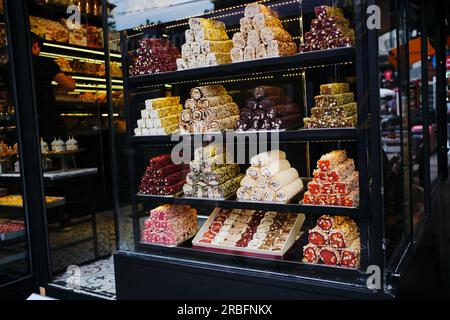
163	177
269	109
334	108
335	181
212	175
154	56
270	178
207	44
170	225
160	117
7	151
261	35
330	30
334	241
8	227
210	109
256	230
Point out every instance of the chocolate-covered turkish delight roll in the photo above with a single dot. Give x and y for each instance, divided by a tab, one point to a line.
217	46
246	24
253	9
259	115
334	88
287	122
243	194
341	171
343	234
276	48
200	23
210	34
223	174
323	12
252	104
261	20
318	237
283	110
274	33
330	256
245	114
240	40
223	124
288	192
249	53
267	91
311	253
261	51
272	101
242	125
283	178
207	91
237	55
329	101
215	59
350	257
210	102
253	39
221	111
227	188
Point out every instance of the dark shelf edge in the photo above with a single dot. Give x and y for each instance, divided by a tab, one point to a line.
233	204
300	135
307	59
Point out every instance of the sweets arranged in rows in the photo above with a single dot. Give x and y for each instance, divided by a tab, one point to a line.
210	109
154	56
329	30
212	175
261	35
59	146
270	178
9	226
249	231
335	182
170	225
207	44
160	117
269	108
163	177
335	108
335	241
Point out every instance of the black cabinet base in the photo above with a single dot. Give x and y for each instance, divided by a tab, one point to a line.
157	278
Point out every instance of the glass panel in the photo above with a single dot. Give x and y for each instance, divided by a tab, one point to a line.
394	122
73	125
14	251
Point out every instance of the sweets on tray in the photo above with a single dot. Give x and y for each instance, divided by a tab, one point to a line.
329	30
163	177
250	231
334	241
160	117
269	108
335	182
209	109
207	44
17	201
154	56
334	108
170	225
212	174
270	178
261	35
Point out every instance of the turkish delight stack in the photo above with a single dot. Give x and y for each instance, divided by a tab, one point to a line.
160	117
207	44
335	182
270	178
261	35
170	225
212	175
250	229
329	30
334	108
163	177
335	241
209	109
154	56
269	108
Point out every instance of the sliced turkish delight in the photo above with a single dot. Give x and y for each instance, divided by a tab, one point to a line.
330	256
350	200
342	171
318	237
